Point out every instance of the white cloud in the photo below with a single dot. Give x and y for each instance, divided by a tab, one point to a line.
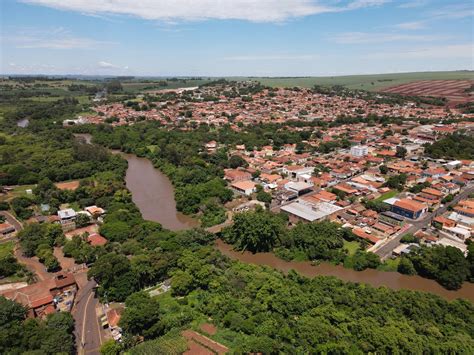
273	57
359	4
415	25
106	65
366	37
453	12
109	66
190	10
53	38
410	4
453	51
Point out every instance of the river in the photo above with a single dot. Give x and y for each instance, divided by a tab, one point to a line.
153	194
393	280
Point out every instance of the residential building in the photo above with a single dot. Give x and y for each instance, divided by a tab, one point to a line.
359	150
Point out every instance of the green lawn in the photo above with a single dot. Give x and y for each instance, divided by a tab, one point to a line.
352	247
17	192
387	195
390	265
6	248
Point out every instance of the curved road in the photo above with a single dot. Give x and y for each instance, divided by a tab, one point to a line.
88	330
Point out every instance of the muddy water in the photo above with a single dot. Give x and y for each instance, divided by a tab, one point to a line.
153	194
392	280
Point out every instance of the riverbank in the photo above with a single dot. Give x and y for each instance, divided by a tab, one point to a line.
376	278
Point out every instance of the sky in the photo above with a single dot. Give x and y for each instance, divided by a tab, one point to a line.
235	37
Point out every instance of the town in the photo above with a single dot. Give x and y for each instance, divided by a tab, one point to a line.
236	177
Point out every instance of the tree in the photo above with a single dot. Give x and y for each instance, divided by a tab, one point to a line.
236	161
82	220
255	231
264	197
318	240
110	347
470	260
409	238
114	275
141	316
397	181
406	267
181	283
447	265
115	231
383	169
401	152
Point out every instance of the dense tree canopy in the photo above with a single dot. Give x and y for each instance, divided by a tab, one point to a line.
445	264
33	336
255	231
455	146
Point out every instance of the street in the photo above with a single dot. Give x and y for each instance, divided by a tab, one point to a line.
385	250
88	331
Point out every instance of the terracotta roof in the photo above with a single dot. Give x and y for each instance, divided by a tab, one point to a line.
361	234
432	191
410	205
244	185
64	280
113	317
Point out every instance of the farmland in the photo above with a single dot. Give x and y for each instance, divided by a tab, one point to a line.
373	82
455	91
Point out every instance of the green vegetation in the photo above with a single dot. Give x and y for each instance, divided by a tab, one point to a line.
262	231
387	195
19	335
455	146
39	240
9	267
257	309
447	265
53	154
366	82
397	182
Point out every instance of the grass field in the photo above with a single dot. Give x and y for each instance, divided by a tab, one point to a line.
366	82
387	195
389	265
6	248
352	247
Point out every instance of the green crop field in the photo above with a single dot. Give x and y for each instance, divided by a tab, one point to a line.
365	82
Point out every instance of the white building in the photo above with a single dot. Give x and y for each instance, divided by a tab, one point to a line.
359	150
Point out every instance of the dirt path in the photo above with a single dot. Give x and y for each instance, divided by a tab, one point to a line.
33	264
200	344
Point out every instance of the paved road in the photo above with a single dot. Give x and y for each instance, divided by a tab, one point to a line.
14	222
88	331
386	250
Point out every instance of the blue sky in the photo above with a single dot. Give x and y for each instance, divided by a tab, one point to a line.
235	37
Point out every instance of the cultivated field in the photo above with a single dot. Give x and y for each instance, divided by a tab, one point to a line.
455	91
374	82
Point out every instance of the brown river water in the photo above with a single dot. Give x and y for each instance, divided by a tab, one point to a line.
393	280
153	194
